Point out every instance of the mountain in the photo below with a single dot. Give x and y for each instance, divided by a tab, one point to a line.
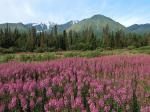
25	27
138	29
96	23
66	26
42	26
48	27
20	26
39	27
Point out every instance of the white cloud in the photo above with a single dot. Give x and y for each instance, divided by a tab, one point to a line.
58	11
128	21
27	10
14	10
61	11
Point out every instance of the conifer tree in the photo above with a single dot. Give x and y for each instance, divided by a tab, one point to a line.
30	44
106	36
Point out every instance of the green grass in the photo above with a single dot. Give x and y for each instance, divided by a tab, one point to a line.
37	57
6	58
145	50
87	54
29	57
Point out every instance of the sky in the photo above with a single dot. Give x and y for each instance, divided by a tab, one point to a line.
127	12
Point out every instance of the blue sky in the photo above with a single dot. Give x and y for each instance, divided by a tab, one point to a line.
127	12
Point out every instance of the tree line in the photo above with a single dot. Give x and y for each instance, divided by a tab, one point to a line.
69	40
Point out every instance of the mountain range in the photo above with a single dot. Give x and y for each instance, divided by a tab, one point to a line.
96	23
139	29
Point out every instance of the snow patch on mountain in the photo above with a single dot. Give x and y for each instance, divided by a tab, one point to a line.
75	22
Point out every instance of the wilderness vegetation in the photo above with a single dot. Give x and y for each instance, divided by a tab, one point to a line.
102	84
80	71
16	41
74	81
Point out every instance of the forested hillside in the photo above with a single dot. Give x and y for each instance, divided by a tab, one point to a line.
89	34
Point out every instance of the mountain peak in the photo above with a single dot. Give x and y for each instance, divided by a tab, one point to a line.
73	22
97	16
139	28
101	17
96	23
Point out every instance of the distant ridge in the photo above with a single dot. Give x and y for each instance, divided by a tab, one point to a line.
20	26
139	28
96	23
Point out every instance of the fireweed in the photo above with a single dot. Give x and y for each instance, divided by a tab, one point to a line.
104	84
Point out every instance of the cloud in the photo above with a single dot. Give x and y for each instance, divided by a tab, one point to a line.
13	10
61	11
128	21
48	10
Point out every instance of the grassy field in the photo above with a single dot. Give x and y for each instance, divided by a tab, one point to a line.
119	82
29	57
106	81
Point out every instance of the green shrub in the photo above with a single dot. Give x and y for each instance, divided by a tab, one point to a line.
37	57
49	56
6	51
131	47
24	57
91	54
39	50
9	50
71	54
145	50
100	49
1	50
81	46
50	49
7	58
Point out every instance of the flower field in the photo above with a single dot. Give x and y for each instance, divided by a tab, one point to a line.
103	84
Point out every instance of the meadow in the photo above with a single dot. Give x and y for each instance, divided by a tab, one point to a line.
76	82
104	84
74	56
46	56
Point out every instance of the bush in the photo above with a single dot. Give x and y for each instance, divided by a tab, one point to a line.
39	50
131	47
100	49
81	46
50	49
6	58
37	57
71	54
9	50
143	48
2	50
91	54
24	57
